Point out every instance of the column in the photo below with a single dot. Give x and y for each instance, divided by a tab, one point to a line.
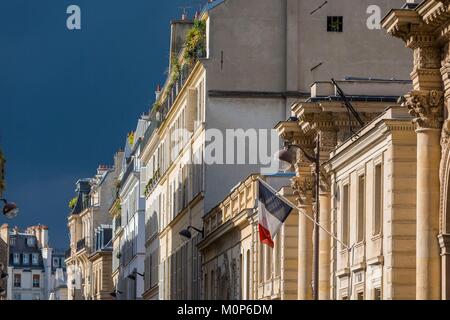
303	188
328	143
425	104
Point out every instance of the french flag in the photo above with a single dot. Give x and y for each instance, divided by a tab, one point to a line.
273	212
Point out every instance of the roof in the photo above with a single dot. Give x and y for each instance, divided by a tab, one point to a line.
211	5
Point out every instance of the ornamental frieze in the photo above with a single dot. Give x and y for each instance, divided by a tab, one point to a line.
427	58
426	107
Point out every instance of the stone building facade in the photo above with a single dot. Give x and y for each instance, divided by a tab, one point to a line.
349	150
235	265
424	29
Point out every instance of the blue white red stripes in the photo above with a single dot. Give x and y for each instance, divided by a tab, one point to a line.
273	212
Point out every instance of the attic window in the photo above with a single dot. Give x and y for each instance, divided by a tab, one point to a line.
335	24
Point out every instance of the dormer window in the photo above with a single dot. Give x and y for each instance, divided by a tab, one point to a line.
31	242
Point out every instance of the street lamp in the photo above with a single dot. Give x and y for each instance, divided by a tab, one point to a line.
10	209
287	158
187	234
133	275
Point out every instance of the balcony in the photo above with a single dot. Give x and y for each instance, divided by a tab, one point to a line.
130	170
81	245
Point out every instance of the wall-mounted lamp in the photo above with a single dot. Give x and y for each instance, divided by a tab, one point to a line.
134	274
10	209
187	234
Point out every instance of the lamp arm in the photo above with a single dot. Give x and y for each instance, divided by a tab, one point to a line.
198	230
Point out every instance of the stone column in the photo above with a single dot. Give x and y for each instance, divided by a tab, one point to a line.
328	143
425	103
303	189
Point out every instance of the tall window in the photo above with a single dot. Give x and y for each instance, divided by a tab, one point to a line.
345	214
36	281
205	285
35	259
361	208
17	280
26	258
16	258
377	294
378	210
269	262
248	278
278	255
261	262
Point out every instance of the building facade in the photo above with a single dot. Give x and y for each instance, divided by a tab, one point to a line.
33	268
94	198
101	260
423	28
345	259
235	265
372	180
132	204
215	89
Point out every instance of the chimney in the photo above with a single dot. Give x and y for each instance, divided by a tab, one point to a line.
157	92
44	236
178	32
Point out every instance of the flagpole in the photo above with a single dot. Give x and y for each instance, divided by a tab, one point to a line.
290	203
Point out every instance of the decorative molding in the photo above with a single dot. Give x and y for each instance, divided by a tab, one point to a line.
426	107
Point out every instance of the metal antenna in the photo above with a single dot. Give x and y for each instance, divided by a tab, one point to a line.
185	10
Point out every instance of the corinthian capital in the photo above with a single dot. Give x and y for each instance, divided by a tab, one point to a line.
426	107
303	187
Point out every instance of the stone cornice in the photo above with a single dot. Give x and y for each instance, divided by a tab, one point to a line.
422	26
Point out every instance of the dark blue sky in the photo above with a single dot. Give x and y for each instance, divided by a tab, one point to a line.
68	98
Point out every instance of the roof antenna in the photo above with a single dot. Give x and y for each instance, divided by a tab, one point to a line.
184	13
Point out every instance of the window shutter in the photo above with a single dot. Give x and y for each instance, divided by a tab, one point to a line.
191	107
143	180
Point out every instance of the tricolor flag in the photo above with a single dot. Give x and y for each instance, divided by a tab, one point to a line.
273	212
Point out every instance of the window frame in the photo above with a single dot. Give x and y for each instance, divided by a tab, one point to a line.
335	24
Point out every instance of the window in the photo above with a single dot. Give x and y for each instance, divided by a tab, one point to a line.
360	295
206	287
17	280
17	297
378	210
261	263
36	280
35	259
247	275
12	241
377	294
361	208
16	258
31	242
26	258
335	24
278	255
345	215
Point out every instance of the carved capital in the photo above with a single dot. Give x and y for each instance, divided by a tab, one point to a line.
426	107
303	187
427	58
